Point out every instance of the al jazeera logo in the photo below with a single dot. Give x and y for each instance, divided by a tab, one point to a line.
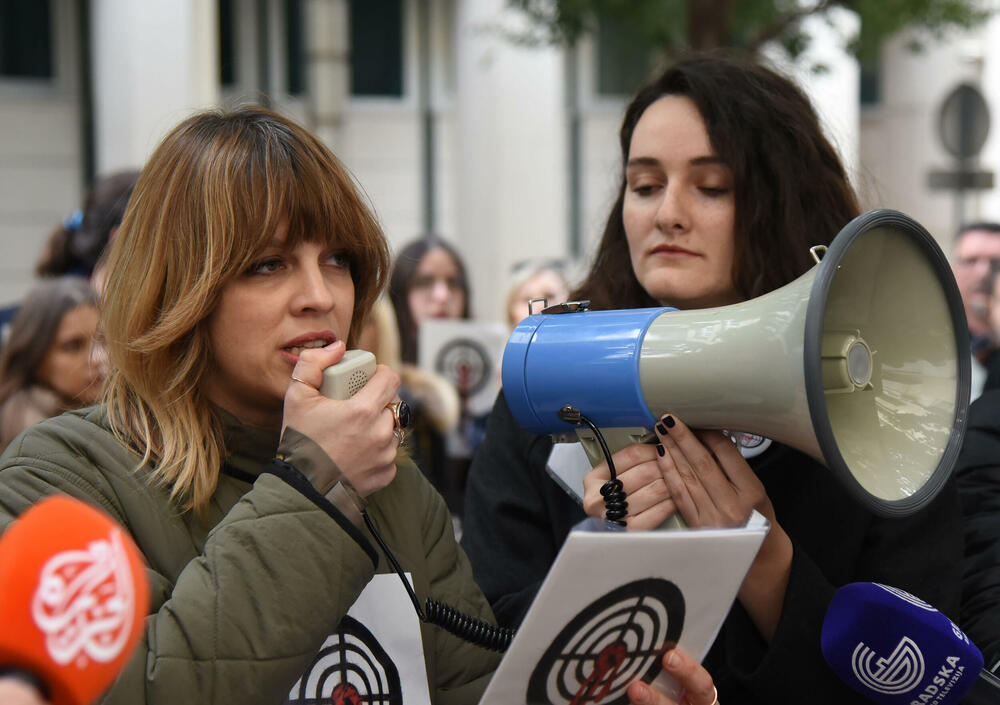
903	670
85	603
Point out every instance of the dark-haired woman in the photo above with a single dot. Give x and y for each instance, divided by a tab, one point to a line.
428	282
727	181
47	365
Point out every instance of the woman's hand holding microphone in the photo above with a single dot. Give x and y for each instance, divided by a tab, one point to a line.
360	434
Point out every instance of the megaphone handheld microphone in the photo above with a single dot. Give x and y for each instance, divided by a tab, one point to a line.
861	363
73	599
895	649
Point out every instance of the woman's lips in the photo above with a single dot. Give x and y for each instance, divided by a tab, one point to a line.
291	350
667	251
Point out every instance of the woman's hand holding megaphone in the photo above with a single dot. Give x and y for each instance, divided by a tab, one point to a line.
649	500
703	476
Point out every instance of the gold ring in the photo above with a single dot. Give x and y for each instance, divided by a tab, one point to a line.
715	696
400	418
301	381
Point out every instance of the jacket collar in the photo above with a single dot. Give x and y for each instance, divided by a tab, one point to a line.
248	448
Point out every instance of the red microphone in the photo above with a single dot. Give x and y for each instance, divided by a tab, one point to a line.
73	598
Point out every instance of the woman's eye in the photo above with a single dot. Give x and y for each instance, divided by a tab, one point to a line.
267	266
74	345
644	189
714	190
339	259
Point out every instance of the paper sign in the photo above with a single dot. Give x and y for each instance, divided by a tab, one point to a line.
466	353
613	602
376	655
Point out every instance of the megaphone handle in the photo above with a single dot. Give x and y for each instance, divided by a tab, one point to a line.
615	504
595	443
674	522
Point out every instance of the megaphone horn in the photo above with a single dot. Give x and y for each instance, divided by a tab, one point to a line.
862	363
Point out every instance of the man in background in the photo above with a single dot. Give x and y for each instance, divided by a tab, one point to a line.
976	254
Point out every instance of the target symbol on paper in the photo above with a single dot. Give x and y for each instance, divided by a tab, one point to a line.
351	668
466	364
615	640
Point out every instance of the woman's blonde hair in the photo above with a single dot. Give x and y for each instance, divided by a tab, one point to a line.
209	200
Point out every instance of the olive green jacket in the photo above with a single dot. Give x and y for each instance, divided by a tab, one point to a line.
243	599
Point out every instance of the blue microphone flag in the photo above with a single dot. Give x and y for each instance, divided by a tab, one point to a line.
895	649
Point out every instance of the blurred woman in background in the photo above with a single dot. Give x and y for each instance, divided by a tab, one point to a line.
428	281
77	244
47	365
535	279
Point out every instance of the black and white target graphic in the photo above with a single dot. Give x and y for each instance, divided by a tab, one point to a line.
466	364
615	640
352	668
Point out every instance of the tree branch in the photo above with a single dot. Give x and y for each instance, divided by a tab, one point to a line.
776	28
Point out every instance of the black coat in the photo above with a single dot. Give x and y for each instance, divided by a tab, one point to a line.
978	473
516	518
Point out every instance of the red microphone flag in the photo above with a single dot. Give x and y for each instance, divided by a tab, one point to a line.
73	598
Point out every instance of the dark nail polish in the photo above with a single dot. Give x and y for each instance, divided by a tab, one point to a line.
661	429
659	450
669	421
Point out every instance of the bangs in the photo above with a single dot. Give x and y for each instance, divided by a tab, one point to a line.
306	189
279	174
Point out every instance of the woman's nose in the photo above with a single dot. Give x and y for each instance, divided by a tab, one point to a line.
313	293
440	291
672	211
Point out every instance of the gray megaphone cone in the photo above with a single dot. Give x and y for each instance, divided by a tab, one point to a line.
862	363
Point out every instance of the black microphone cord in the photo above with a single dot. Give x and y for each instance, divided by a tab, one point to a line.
470	629
476	631
615	504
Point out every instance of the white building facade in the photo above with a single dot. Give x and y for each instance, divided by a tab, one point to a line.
506	151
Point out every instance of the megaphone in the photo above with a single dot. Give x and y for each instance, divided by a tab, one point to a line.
862	363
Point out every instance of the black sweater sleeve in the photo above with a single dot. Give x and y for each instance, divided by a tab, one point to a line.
978	473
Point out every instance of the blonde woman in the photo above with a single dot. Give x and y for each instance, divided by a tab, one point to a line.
245	265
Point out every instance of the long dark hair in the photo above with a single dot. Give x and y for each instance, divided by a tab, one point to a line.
401	281
791	190
34	328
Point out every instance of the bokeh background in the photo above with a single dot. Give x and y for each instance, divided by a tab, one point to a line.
491	123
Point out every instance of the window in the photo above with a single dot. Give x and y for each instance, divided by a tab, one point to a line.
295	59
377	47
870	75
26	39
227	44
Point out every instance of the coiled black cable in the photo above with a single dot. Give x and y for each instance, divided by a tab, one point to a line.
475	631
615	505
